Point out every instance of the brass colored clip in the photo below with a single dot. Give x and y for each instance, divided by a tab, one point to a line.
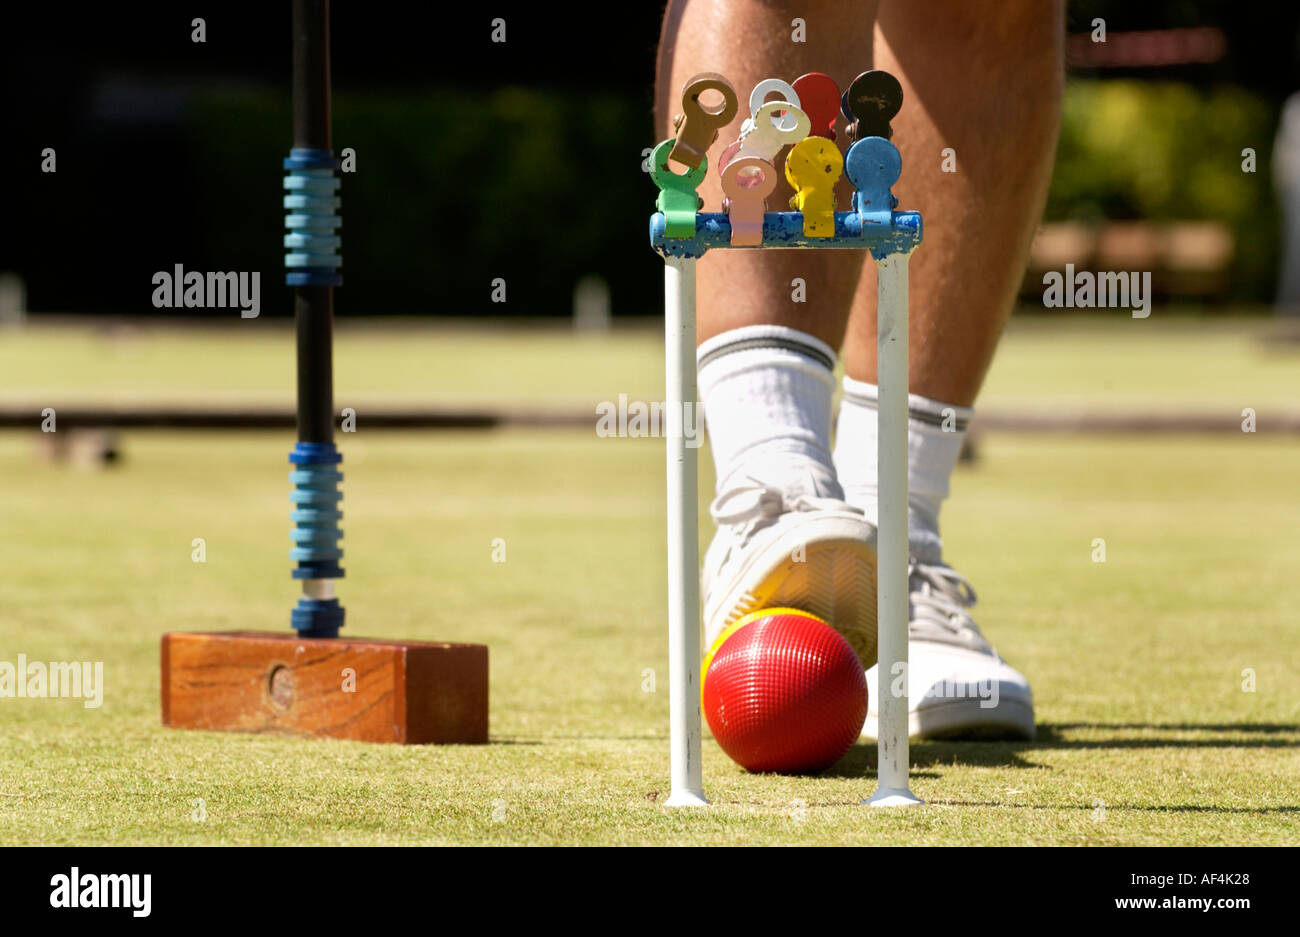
697	126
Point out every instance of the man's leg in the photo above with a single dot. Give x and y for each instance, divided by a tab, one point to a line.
983	80
766	361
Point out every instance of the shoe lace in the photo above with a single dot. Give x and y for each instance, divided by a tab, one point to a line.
940	597
748	508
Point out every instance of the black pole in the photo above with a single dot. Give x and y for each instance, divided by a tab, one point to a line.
313	306
312	263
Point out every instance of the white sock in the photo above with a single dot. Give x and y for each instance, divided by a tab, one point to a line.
932	453
766	391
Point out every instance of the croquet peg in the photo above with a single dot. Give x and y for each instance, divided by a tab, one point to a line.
312	682
812	168
873	166
819	97
697	126
870	103
677	197
746	183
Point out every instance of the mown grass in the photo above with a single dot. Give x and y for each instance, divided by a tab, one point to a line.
1101	363
1145	732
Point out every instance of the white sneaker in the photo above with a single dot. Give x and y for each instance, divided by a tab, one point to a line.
958	686
796	545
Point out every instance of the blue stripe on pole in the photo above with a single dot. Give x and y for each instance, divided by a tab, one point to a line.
316	536
315	497
317	618
312	203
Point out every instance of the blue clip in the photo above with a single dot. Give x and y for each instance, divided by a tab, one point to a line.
873	165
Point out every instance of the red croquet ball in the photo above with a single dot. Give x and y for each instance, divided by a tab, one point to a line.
784	692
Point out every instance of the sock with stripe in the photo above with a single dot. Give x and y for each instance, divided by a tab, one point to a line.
935	431
766	391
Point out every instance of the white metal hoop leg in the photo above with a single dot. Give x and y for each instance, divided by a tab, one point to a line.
683	537
892	551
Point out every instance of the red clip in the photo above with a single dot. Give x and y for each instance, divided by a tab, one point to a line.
819	97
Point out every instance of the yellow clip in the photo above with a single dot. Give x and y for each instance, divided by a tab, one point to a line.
813	167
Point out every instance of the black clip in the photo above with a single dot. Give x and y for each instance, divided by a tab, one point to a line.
870	103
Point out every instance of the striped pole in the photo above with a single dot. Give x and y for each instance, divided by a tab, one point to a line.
312	262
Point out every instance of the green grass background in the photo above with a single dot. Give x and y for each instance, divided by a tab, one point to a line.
1105	364
1145	733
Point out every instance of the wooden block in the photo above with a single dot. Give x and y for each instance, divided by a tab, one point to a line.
410	692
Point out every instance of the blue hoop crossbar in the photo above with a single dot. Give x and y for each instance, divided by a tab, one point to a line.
785	229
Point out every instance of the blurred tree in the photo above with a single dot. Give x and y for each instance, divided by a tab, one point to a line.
1167	151
452	189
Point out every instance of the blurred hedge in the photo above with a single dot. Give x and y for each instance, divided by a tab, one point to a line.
452	189
1169	152
455	187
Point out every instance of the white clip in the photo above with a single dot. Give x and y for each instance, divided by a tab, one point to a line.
771	131
770	126
759	94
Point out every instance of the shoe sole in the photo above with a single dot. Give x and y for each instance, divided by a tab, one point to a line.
963	720
835	580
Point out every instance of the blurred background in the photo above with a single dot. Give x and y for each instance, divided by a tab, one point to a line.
169	152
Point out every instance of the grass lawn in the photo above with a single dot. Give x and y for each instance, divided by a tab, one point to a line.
1145	733
1101	363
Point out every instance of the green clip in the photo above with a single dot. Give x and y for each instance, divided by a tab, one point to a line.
677	198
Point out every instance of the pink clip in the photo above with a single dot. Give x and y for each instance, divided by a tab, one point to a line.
746	183
819	97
